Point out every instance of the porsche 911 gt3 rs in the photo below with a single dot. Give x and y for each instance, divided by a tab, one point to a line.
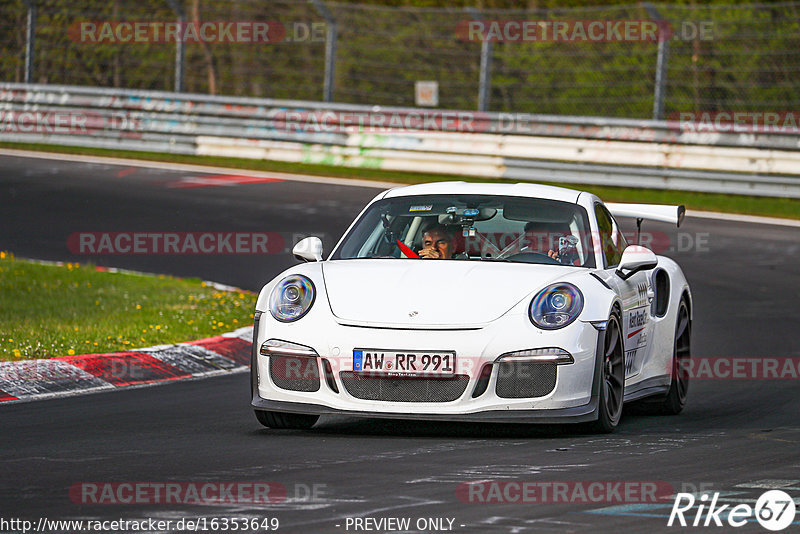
475	302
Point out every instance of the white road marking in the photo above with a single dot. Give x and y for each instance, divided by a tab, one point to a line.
489	473
770	483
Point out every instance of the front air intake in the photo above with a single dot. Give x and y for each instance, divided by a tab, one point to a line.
404	389
521	380
294	373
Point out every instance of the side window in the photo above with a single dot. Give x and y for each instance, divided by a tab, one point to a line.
611	239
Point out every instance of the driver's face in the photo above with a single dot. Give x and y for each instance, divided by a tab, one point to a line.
439	242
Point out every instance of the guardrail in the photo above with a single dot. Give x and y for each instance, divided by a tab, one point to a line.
588	150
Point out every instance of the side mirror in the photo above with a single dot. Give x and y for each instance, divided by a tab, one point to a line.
636	258
308	249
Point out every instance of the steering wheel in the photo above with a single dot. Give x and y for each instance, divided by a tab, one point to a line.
533	257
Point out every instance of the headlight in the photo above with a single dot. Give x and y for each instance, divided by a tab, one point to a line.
291	298
556	306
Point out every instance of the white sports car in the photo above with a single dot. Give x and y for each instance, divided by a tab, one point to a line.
475	302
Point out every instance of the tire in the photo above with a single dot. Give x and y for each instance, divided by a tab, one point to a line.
280	420
612	379
675	400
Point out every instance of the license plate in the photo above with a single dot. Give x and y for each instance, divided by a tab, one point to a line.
418	362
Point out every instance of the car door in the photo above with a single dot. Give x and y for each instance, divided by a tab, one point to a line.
636	293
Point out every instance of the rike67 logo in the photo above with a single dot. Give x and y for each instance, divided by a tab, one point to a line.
774	510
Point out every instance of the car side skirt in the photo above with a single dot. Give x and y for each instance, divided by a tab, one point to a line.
647	388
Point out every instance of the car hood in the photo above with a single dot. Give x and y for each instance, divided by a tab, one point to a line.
430	293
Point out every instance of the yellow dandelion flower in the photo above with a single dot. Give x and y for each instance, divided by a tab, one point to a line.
17	353
158	327
138	306
70	352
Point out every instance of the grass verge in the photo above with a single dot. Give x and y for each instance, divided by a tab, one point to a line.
48	310
749	205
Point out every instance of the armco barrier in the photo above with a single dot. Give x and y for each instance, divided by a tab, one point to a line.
591	150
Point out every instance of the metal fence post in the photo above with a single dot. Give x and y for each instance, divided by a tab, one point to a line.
661	62
180	46
330	49
30	40
485	80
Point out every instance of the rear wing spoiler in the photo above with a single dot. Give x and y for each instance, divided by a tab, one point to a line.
651	212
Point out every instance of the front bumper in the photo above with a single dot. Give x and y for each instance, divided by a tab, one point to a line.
573	399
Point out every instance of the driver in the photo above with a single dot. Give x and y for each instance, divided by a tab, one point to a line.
438	242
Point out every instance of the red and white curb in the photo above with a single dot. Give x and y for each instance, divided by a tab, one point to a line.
71	375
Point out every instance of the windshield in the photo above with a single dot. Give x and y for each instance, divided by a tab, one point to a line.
472	227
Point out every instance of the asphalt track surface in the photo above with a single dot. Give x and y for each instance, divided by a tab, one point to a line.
734	434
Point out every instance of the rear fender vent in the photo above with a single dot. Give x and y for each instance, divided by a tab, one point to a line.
661	286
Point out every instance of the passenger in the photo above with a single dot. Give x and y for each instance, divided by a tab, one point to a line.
542	238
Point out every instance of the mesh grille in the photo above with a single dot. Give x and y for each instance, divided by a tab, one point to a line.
294	374
408	389
525	379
